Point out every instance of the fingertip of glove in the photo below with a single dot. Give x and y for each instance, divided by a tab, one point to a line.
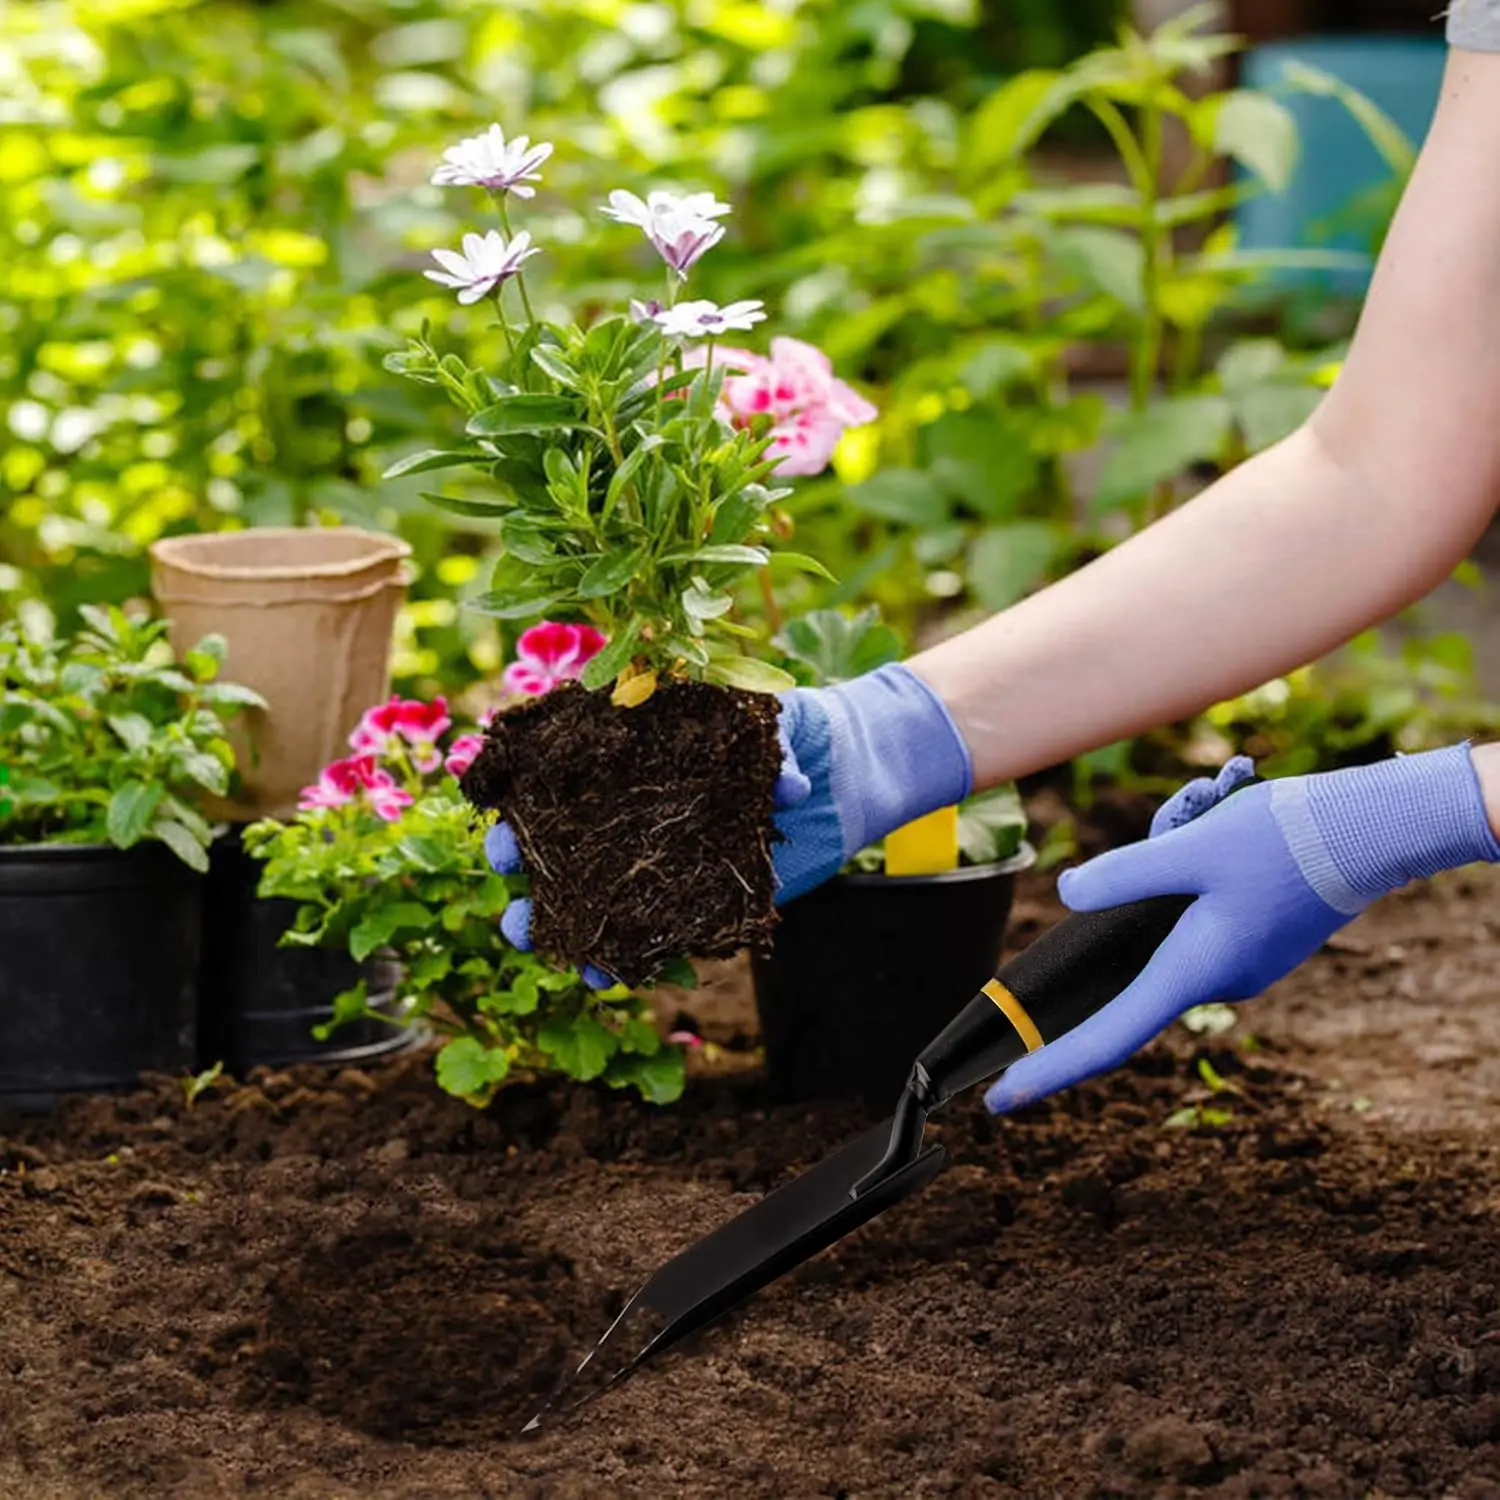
515	925
597	979
502	850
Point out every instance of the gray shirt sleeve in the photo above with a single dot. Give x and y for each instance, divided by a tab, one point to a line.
1474	25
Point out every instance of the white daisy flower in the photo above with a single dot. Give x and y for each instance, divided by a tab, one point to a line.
680	225
697	320
490	161
486	262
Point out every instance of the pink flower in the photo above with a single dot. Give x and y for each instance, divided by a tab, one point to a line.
550	653
686	1039
809	406
418	724
344	781
461	753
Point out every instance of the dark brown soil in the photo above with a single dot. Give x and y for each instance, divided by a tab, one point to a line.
647	831
320	1287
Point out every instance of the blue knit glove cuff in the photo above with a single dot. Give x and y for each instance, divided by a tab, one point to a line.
900	755
1359	833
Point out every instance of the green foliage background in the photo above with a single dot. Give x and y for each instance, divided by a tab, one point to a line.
213	216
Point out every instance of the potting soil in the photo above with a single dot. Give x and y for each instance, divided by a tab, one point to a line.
319	1286
647	831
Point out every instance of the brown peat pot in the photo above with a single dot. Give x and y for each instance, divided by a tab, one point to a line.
867	969
98	967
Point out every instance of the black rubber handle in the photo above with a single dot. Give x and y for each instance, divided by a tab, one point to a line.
1071	971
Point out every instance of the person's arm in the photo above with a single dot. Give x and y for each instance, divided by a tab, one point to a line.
1359	513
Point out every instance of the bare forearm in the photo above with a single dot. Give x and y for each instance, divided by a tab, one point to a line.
1355	516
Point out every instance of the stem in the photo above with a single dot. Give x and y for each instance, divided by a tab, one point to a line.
504	322
768	594
520	275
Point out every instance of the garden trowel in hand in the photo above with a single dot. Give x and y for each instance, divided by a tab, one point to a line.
1071	971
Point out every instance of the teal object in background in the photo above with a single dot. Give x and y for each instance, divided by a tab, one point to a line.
1337	162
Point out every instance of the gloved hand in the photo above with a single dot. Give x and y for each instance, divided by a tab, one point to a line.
1277	869
860	759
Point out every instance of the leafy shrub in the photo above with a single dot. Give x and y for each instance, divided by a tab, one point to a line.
105	738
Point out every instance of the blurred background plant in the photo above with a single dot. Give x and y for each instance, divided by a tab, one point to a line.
1007	219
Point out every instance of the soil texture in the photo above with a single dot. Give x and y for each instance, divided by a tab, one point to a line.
316	1285
647	831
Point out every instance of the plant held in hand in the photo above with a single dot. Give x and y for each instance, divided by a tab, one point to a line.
382	858
631	463
106	739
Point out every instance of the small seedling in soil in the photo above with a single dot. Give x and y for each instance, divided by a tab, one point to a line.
193	1087
629	462
1203	1116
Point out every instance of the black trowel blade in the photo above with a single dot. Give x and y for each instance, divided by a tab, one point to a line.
785	1228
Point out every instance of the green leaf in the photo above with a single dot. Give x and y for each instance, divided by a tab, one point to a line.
468	1069
130	812
1267	413
906	496
800	562
748	673
1252	128
547	359
609	574
349	1006
1006	562
506	606
992	825
382	924
435	458
478	510
640	1037
134	731
1108	260
725	552
581	1048
1158	444
626	472
183	842
613	659
206	770
983	460
526	413
838	647
1009	122
659	1079
1393	144
231	695
704	604
680	972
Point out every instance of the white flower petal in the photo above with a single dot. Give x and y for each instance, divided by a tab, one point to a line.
472	294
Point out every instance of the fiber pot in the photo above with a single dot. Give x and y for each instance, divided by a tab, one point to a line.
259	1002
98	964
308	613
867	969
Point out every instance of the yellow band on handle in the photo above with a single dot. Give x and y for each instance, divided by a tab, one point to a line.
1015	1013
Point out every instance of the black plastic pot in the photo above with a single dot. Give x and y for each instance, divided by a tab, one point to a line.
259	1002
98	962
867	969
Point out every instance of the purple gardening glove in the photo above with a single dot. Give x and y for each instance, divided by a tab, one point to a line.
859	760
1277	869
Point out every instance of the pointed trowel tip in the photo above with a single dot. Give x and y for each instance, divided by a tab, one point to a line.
533	1424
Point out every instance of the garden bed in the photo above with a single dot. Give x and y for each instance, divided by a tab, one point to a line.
316	1286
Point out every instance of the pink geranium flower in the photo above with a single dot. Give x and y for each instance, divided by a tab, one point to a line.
550	653
809	406
359	776
461	753
415	723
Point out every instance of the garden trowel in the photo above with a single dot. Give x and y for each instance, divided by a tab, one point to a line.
1071	971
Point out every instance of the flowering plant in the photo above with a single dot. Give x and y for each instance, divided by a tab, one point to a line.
633	460
382	858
